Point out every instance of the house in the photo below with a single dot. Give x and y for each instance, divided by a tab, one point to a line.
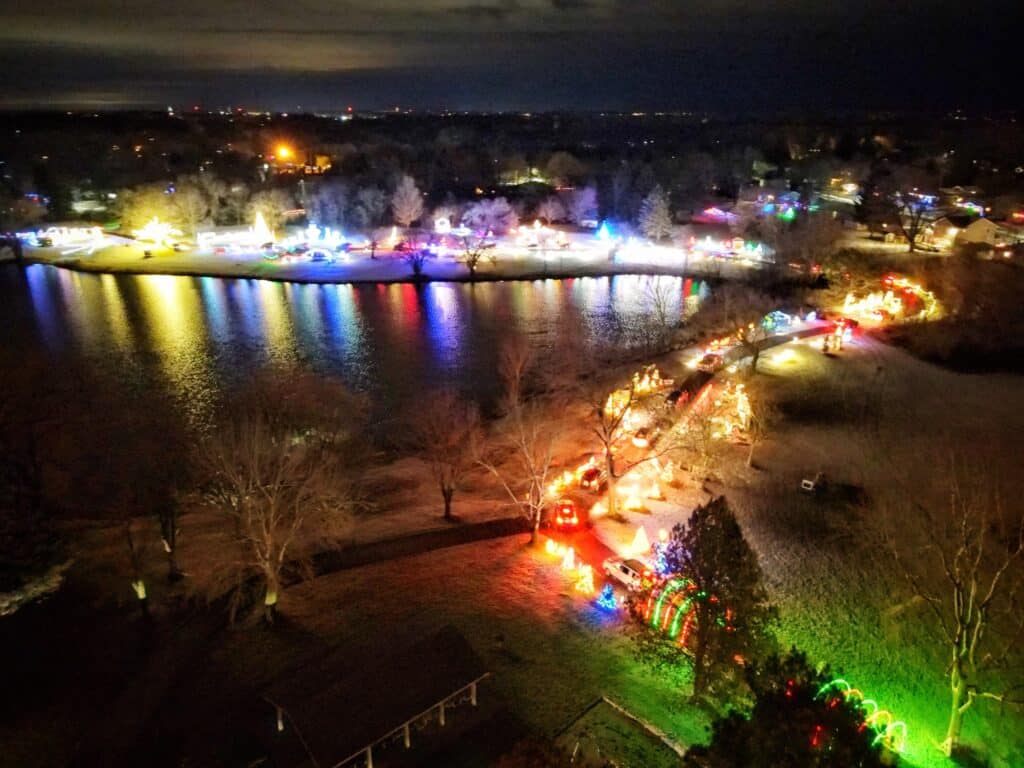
943	231
982	231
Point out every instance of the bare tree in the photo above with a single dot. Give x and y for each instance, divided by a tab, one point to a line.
473	251
277	472
271	204
497	216
737	311
764	415
327	203
416	259
406	202
655	216
445	430
234	204
192	203
523	450
581	205
899	198
139	205
964	565
551	209
803	244
697	438
610	423
662	316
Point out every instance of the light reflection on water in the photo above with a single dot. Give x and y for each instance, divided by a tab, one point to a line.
200	337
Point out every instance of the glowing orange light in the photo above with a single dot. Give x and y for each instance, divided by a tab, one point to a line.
283	151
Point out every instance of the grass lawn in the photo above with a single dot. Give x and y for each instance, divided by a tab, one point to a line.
875	418
552	652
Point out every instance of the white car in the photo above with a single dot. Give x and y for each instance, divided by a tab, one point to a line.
710	363
631	573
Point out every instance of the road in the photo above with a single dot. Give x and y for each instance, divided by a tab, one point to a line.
585	542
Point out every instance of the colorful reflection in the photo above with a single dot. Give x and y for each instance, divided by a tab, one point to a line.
203	337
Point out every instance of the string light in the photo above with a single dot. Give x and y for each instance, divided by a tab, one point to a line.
606	600
585	580
157	232
890	733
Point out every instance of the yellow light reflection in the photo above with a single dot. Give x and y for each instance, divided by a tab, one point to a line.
274	298
116	316
175	322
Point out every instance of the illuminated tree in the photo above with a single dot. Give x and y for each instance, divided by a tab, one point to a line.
406	202
271	204
496	216
142	204
655	218
697	437
966	567
445	430
551	210
732	613
790	724
447	210
581	205
473	252
608	421
277	471
327	204
368	207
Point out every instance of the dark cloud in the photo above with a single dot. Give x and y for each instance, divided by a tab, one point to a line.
507	54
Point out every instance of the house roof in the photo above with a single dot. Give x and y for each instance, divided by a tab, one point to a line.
337	706
960	221
982	223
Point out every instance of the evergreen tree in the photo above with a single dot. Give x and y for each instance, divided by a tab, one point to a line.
797	721
655	217
733	615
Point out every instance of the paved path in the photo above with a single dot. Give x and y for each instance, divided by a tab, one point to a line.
585	542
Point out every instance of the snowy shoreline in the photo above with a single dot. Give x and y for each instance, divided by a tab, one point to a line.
382	270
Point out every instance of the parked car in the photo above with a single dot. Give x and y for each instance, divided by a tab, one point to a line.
565	516
593	479
631	573
710	363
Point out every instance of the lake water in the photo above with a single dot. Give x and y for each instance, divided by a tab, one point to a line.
199	337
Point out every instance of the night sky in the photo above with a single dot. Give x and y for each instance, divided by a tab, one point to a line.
509	54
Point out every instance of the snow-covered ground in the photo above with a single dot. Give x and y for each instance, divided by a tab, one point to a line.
509	262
